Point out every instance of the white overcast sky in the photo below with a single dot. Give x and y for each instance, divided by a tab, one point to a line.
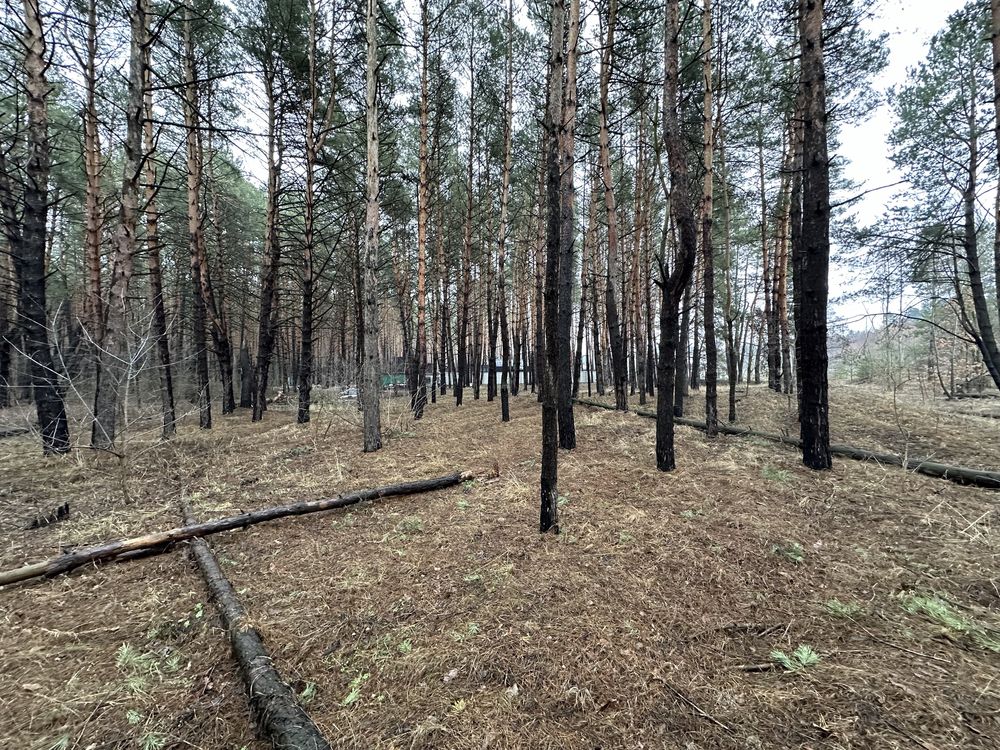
910	25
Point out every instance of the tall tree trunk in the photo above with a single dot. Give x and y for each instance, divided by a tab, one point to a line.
729	312
567	242
7	315
272	249
781	261
995	46
26	238
463	326
615	333
770	313
115	358
195	234
707	250
549	514
93	302
370	374
586	290
314	142
674	281
537	303
812	282
419	365
508	134
595	333
159	319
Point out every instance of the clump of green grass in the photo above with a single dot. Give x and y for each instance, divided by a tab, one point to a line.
939	611
354	691
774	474
790	551
308	693
801	658
471	631
410	525
843	610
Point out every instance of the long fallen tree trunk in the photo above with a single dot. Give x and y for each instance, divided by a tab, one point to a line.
162	540
959	474
278	714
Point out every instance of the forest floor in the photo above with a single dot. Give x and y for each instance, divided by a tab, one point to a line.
446	621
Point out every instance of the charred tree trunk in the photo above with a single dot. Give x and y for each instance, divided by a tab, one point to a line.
614	324
549	513
812	281
502	239
26	238
676	280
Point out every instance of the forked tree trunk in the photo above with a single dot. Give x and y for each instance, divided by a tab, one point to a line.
674	282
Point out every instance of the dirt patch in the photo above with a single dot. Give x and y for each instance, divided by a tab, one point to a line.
446	621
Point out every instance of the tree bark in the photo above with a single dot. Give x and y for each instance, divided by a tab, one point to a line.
158	325
370	374
115	359
419	365
93	302
707	220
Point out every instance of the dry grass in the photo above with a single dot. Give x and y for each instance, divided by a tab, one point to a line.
446	621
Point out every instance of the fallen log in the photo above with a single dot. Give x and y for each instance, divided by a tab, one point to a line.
959	474
6	432
164	539
279	717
